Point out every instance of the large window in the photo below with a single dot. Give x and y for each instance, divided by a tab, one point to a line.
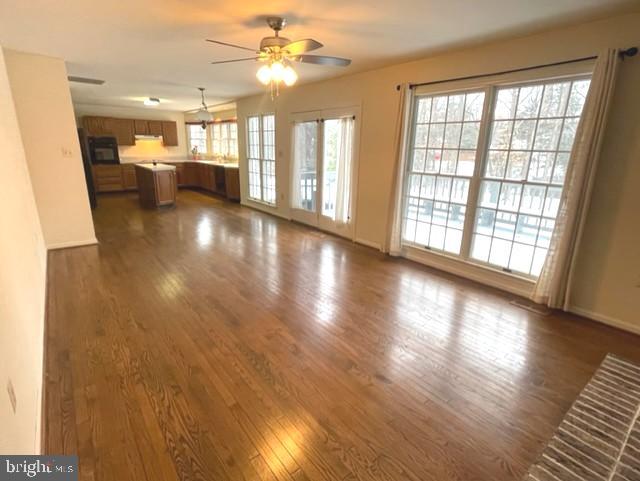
197	138
486	170
261	158
224	139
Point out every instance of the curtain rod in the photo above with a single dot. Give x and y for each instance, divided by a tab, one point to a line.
629	52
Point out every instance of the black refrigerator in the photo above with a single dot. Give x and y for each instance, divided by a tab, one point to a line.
86	162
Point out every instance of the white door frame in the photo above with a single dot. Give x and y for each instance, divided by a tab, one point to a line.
316	219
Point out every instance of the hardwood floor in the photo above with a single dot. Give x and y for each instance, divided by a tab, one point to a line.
214	342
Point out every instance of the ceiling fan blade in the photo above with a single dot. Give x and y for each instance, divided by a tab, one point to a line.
235	60
302	46
322	60
232	45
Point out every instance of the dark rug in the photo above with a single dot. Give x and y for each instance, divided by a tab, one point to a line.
599	437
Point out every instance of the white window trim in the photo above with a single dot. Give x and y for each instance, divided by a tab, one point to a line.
485	273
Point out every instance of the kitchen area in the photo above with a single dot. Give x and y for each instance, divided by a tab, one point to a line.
160	167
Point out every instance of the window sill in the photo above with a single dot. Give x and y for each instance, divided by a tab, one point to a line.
505	281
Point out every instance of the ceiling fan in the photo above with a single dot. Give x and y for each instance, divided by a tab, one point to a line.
278	53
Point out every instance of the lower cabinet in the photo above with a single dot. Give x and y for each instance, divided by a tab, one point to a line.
232	183
107	178
213	178
129	177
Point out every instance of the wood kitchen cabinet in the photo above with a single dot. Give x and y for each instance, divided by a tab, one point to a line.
98	126
128	177
155	127
124	131
107	178
156	184
232	183
190	174
169	133
219	179
141	127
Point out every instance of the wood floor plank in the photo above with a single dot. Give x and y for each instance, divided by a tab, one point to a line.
213	342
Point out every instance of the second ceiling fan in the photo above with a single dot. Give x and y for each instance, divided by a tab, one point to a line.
278	53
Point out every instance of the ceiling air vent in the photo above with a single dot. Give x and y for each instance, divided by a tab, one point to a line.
85	80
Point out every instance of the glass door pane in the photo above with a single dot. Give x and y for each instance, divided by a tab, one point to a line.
337	151
305	168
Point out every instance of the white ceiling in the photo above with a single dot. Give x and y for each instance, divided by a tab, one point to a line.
156	47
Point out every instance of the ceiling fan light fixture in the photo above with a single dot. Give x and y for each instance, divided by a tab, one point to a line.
152	102
264	74
277	71
289	76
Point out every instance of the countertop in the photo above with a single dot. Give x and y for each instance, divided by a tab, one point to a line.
157	167
227	165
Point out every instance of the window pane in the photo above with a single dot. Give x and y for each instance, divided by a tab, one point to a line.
577	98
444	147
522	137
521	257
500	251
541	166
455	109
530	148
469	138
501	134
496	163
506	104
473	106
554	100
480	247
518	162
485	221
510	197
547	134
489	192
529	102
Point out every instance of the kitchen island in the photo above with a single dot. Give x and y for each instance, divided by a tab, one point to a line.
156	184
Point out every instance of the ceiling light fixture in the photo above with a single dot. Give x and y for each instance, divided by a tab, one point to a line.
203	113
152	102
277	54
275	73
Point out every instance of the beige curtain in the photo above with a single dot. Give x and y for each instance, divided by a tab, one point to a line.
553	287
395	209
342	213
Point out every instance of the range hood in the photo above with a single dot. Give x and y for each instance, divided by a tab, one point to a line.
147	137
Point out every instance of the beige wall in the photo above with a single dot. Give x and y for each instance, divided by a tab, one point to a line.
144	148
608	283
45	116
22	288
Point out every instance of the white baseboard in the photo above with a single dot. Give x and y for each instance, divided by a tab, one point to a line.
608	320
368	243
67	245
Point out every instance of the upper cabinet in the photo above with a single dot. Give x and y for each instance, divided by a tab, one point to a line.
125	130
141	127
169	133
155	127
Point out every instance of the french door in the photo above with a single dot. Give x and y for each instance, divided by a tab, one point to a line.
323	154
